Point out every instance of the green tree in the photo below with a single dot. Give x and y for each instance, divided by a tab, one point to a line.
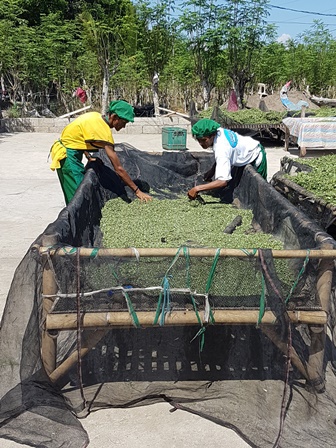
246	33
317	57
204	24
107	31
272	66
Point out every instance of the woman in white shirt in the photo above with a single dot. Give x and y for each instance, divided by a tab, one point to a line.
230	150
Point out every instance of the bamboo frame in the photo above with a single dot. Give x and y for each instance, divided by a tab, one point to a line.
48	342
96	324
318	334
193	252
89	340
271	333
95	320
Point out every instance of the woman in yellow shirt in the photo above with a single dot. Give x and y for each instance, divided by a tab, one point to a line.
90	132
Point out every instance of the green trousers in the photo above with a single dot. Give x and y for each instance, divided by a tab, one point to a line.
71	173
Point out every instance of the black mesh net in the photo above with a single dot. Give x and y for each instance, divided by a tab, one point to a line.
238	337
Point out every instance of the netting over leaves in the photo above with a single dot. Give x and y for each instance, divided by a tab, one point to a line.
235	337
106	283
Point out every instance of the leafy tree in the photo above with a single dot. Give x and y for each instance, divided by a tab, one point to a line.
156	33
204	24
245	35
178	79
318	56
272	66
106	30
131	79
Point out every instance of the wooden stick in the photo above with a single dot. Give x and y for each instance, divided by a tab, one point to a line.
173	112
68	321
49	287
75	112
318	334
287	134
236	222
89	340
271	333
193	252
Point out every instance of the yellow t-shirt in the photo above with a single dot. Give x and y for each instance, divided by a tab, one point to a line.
86	133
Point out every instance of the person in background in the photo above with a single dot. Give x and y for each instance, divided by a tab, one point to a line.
230	150
91	132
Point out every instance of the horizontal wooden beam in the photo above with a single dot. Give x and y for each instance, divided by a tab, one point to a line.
193	252
75	112
68	321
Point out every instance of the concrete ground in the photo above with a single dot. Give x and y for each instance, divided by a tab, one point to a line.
31	198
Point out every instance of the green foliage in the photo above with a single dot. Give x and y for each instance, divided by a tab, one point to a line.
132	75
325	112
203	23
321	180
246	32
14	112
248	116
156	34
172	223
59	43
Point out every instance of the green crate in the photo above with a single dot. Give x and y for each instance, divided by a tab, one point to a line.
174	138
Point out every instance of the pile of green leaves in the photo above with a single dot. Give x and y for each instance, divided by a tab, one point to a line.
173	223
248	116
325	112
178	222
321	180
320	112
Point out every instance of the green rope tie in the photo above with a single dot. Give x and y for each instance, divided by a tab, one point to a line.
193	301
158	309
166	300
73	250
252	253
163	294
94	252
131	310
302	270
209	282
188	284
200	334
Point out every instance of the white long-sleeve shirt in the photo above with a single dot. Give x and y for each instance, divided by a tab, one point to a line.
245	151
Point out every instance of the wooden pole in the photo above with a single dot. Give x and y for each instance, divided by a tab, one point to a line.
303	149
193	252
146	318
175	113
89	340
75	112
318	333
287	134
271	333
49	287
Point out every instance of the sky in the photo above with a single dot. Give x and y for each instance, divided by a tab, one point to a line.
291	23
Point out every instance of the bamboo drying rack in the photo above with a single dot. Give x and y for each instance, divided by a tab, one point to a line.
95	325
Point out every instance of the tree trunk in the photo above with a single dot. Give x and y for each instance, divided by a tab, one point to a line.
105	91
206	94
3	87
155	84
